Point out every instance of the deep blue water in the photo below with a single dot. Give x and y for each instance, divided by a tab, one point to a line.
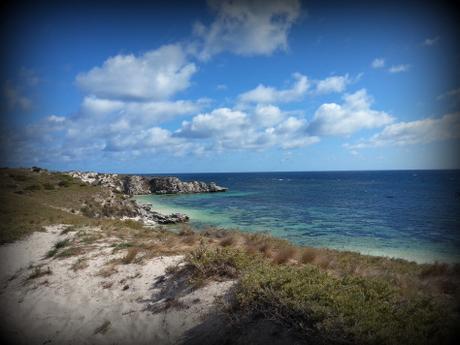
409	214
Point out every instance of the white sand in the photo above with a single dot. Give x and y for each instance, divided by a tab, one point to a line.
69	306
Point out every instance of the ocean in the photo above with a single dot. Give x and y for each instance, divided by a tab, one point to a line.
405	214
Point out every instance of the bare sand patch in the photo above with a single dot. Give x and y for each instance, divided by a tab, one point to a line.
61	304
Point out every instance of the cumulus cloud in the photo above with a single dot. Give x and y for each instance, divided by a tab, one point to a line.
221	121
399	68
155	75
226	128
336	83
142	113
378	63
268	115
269	94
344	119
247	27
414	132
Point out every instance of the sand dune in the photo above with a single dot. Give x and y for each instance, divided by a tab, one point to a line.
84	307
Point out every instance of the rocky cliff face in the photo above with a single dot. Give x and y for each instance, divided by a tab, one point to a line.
172	185
112	181
121	206
137	185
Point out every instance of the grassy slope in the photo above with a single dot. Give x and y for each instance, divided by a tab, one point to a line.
328	295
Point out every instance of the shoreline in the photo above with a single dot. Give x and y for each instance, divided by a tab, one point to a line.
417	255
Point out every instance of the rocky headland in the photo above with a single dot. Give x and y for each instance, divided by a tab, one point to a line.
122	187
139	185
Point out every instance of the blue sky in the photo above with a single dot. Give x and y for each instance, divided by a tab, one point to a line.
230	86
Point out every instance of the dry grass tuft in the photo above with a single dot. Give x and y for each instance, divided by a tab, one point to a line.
130	256
185	230
107	271
307	255
283	255
79	264
227	241
39	272
189	239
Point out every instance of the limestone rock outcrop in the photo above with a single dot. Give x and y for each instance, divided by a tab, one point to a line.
172	185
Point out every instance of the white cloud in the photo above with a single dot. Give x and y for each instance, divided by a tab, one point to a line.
430	41
141	113
225	128
56	119
337	83
221	121
399	68
268	94
414	132
267	115
353	115
247	27
155	75
378	63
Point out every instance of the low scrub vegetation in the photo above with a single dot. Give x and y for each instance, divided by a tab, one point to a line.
323	307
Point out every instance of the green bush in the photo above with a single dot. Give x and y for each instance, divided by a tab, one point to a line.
349	309
355	309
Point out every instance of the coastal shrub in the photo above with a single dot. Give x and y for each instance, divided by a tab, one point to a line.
227	240
307	255
219	263
185	230
349	309
283	255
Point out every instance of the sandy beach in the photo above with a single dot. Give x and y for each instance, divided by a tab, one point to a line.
85	306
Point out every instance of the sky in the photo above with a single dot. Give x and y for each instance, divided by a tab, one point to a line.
227	86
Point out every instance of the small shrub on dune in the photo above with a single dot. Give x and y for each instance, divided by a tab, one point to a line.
283	255
217	263
189	239
307	255
130	256
227	241
185	230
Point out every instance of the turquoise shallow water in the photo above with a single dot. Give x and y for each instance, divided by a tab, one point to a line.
407	214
